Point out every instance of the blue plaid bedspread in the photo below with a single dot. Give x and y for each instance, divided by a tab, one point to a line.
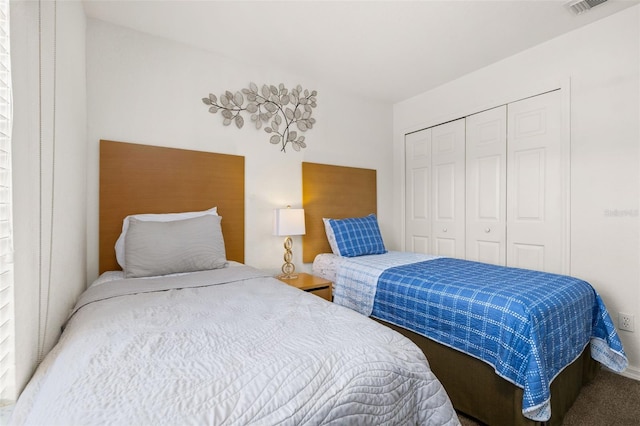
528	325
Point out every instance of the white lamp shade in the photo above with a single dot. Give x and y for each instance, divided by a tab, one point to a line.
287	222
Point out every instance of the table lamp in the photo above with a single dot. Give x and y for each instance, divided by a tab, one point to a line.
288	222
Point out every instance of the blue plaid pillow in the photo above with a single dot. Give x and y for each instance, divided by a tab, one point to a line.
356	236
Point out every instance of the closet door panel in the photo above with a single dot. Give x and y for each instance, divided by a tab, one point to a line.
419	244
445	247
529	180
486	186
448	162
488	252
445	192
528	256
535	208
418	192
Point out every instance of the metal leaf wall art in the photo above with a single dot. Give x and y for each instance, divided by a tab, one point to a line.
276	109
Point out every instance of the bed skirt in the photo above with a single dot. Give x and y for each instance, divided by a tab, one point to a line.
478	392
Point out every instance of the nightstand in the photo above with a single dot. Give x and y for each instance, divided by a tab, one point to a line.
311	284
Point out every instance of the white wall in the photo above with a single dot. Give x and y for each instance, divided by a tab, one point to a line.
68	267
602	62
145	89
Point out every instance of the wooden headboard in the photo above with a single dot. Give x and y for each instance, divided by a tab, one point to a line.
333	192
148	179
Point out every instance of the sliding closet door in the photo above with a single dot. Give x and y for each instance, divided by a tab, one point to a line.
418	192
486	163
448	162
536	173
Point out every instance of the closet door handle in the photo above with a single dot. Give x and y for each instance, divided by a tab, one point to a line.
487	230
444	229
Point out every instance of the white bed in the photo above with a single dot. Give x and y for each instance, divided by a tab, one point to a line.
227	346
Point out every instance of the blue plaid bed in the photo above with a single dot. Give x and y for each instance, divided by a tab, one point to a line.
529	325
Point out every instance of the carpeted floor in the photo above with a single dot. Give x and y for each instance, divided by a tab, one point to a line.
610	399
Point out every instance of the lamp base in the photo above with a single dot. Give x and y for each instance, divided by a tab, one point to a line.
287	276
288	268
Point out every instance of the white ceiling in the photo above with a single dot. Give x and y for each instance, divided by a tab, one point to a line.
383	50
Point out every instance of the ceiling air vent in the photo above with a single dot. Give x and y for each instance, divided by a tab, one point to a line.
582	6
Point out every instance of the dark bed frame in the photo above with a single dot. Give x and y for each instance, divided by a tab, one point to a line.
473	386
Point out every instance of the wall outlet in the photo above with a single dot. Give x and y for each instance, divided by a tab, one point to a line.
625	321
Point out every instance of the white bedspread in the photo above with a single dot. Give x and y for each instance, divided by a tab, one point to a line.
251	351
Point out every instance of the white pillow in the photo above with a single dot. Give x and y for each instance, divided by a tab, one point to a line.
331	237
161	248
153	217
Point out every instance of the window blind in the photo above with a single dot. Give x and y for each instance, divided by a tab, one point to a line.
7	328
